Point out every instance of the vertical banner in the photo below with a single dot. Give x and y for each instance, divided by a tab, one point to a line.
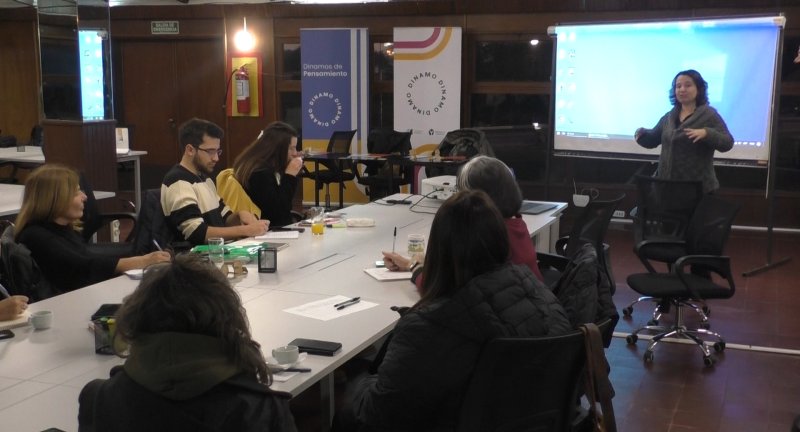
334	80
427	83
244	86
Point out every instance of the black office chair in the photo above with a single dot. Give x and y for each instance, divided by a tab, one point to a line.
153	228
378	175
19	273
527	384
664	209
590	227
705	239
584	291
337	171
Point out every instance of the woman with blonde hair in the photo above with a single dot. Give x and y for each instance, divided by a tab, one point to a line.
48	225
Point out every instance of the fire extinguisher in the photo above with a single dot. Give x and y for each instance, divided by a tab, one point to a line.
242	90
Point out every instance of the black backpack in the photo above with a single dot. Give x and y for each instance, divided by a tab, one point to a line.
460	142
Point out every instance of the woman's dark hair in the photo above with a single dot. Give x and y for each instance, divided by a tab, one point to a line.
269	151
189	295
496	179
468	238
699	82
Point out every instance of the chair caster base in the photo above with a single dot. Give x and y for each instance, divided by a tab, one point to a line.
631	339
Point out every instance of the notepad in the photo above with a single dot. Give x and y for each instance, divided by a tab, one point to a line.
271	235
535	208
20	321
383	274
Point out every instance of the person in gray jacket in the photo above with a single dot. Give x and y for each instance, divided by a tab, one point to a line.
471	294
689	133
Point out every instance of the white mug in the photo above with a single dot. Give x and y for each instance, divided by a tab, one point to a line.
41	320
286	354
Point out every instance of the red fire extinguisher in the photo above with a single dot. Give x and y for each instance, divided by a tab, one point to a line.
242	90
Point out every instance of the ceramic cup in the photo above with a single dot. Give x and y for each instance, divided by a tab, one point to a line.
286	354
41	320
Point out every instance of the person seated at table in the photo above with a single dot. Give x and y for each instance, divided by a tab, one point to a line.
496	179
48	225
12	307
471	294
189	198
267	170
193	364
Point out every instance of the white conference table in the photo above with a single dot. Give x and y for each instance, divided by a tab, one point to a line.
11	198
34	155
48	368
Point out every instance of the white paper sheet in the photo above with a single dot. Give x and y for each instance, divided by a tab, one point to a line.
324	310
383	274
271	235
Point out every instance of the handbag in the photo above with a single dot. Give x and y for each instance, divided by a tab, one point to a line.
599	390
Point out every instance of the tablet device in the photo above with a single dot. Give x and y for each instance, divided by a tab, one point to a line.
317	347
535	208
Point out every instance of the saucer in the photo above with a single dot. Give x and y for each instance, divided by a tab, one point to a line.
274	366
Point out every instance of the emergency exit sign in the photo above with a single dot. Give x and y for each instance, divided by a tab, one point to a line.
164	27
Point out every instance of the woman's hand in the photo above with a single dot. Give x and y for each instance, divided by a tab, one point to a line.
696	134
294	166
396	262
156	257
12	307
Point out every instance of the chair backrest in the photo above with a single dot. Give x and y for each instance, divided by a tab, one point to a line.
465	142
584	291
525	384
91	221
664	208
153	225
710	226
340	144
20	273
387	141
591	225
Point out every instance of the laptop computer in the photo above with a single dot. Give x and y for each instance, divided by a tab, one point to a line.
123	145
535	208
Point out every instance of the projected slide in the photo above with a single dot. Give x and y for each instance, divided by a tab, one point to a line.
611	79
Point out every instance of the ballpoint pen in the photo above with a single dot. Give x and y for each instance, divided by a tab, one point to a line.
157	245
394	238
347	302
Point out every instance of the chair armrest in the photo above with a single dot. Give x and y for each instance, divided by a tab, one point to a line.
643	248
548	260
720	265
561	245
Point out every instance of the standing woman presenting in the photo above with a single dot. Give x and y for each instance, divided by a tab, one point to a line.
688	134
268	169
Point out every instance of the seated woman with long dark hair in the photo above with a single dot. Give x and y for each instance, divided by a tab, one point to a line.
193	365
471	294
48	225
268	171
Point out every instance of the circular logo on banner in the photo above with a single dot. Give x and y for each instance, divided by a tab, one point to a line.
426	93
324	109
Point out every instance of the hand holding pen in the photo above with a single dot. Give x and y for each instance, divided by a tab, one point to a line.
346	303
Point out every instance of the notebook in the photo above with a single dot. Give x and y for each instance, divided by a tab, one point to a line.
535	208
20	321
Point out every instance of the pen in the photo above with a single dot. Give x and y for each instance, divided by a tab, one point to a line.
352	300
297	370
348	303
157	245
394	238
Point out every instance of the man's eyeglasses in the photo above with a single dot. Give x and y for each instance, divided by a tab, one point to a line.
211	152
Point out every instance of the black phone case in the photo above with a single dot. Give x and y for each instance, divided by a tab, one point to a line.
107	310
317	347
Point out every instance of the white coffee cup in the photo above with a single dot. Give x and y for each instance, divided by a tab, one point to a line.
41	320
286	354
580	200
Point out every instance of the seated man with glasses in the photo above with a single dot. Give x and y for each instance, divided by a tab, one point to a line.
191	204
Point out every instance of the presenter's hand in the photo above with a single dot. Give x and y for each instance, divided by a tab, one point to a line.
12	307
294	166
396	262
696	134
